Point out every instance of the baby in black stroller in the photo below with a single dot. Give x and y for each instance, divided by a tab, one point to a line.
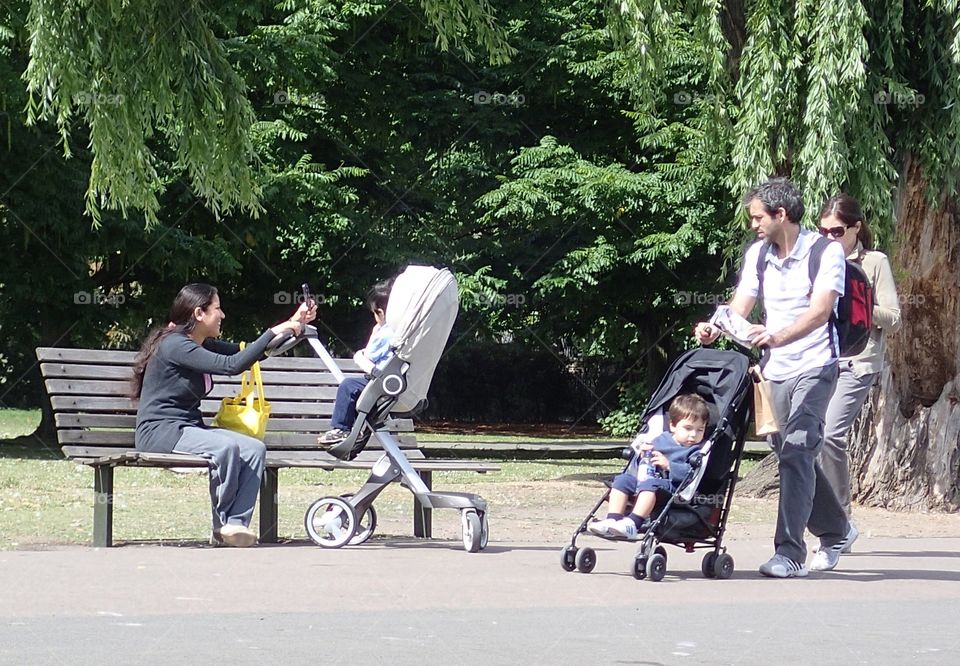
660	466
689	508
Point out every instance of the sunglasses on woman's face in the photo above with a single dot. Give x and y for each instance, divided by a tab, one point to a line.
836	232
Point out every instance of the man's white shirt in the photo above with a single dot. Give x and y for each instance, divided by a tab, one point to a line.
786	296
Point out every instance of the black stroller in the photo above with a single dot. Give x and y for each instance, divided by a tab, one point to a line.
695	516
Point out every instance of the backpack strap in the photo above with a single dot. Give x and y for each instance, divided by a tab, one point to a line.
813	264
762	267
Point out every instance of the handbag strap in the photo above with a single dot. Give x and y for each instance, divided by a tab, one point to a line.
252	379
756	373
257	382
246	384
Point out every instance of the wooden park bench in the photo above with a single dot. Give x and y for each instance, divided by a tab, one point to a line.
95	418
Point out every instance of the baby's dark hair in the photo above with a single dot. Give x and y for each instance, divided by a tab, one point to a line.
689	406
379	295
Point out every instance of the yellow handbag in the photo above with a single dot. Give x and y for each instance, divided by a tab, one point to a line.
245	413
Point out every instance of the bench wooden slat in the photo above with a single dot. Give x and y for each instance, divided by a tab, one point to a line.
276	393
77	403
85	371
97	387
109	455
102	455
98	356
279	440
122	373
280	408
121	357
72	421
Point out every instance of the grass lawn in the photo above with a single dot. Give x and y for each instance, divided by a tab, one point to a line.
18	422
47	500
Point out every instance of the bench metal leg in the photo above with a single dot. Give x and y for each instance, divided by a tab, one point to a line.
103	506
268	505
423	516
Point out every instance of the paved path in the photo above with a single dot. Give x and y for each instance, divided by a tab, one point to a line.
409	602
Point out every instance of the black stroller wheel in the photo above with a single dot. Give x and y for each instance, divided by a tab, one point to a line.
586	560
723	568
640	568
656	567
568	558
707	565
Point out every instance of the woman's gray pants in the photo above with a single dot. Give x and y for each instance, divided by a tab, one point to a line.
845	405
235	472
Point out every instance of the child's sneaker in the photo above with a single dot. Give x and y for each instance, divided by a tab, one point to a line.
334	436
601	527
625	527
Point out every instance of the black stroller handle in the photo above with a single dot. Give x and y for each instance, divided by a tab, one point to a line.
286	340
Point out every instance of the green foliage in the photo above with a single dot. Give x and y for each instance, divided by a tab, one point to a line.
583	180
624	420
834	94
134	70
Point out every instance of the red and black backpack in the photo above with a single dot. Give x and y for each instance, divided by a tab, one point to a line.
853	319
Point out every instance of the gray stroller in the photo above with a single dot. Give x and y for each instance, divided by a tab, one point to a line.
422	308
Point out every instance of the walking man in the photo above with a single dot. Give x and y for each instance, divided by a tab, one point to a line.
801	365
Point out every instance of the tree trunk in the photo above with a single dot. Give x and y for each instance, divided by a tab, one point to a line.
905	447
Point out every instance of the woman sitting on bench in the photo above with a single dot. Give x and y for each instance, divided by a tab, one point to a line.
172	374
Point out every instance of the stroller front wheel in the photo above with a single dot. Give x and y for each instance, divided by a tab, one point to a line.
484	530
656	567
568	558
723	568
586	560
472	528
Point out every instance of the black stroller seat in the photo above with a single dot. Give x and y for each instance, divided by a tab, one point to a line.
695	515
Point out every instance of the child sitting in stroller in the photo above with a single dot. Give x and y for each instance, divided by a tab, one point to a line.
375	354
666	466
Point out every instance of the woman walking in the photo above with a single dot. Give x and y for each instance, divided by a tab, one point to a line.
842	219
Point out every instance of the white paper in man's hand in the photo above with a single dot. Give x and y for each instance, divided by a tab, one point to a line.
732	325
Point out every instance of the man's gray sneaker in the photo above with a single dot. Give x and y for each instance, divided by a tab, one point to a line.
826	558
780	566
848	540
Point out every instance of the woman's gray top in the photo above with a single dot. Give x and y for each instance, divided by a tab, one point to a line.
174	383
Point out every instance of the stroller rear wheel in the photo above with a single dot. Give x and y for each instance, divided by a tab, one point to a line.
708	564
640	568
366	524
330	522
